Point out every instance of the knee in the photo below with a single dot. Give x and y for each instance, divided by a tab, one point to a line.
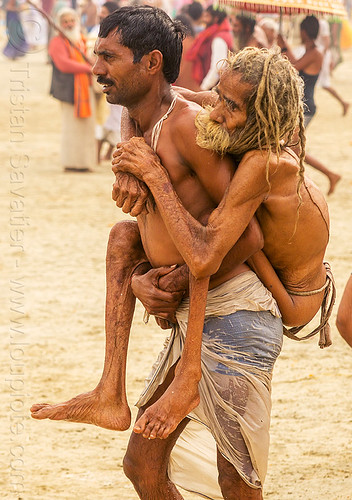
138	472
124	239
131	468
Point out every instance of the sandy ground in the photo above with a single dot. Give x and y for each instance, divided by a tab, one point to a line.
54	229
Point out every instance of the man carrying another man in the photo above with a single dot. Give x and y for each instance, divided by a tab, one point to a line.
236	374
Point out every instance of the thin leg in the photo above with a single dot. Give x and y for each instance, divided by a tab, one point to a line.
232	485
345	105
106	406
146	461
163	417
333	178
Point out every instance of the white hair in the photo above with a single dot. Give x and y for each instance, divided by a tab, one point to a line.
64	11
268	22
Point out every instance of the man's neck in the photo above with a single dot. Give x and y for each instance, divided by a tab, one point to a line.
310	44
151	108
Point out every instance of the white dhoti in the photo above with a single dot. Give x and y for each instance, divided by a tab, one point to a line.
242	338
78	145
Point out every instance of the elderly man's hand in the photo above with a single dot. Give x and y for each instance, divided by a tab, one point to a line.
156	300
130	194
136	158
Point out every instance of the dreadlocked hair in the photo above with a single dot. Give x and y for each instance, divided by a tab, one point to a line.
275	105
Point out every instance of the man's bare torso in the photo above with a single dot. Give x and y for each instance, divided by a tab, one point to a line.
173	148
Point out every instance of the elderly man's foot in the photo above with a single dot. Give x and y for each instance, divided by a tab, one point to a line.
334	179
162	418
88	408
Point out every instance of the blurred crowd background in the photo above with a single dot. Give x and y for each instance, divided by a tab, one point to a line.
67	30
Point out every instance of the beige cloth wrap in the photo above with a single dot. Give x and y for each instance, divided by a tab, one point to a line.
193	460
78	145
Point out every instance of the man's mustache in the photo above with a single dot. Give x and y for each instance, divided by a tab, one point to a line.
104	81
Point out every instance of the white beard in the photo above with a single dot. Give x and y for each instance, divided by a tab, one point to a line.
74	35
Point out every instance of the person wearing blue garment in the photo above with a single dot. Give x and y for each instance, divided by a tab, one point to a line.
309	67
16	45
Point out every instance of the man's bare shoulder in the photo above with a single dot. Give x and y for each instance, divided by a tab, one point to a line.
184	117
183	132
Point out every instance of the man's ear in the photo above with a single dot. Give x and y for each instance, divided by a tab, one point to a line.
154	61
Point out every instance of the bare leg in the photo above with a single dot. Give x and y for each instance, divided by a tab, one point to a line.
163	417
109	152
333	178
345	105
99	145
232	485
106	406
146	461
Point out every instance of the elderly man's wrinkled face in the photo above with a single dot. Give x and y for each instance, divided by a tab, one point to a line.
70	27
231	109
67	22
219	128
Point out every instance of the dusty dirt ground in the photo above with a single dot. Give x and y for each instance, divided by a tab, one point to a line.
54	230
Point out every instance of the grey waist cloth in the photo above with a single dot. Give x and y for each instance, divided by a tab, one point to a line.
242	338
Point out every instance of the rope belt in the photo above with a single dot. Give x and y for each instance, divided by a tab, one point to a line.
326	309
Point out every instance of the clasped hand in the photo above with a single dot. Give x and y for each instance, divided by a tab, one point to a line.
161	291
132	160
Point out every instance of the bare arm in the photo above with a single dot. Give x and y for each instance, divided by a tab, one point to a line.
344	313
312	58
129	193
202	247
202	98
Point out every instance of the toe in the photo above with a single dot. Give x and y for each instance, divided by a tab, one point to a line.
160	432
141	424
38	406
151	430
166	432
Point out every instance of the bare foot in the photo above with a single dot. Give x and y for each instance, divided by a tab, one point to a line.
88	408
162	418
334	179
345	105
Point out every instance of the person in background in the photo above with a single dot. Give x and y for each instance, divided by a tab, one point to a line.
210	47
271	30
309	67
16	45
324	43
344	313
195	12
247	32
71	85
108	116
89	15
185	78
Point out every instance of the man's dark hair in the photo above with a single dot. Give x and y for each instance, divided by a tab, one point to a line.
143	29
195	10
310	25
111	6
217	14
